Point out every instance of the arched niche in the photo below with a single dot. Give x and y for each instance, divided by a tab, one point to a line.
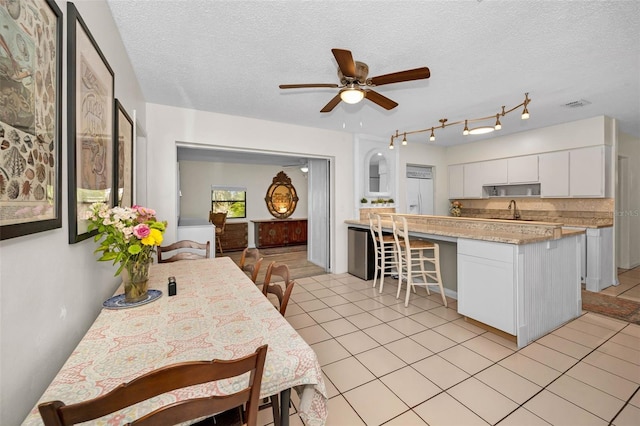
378	178
281	197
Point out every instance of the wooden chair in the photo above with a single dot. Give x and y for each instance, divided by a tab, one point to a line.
250	262
167	379
219	220
188	254
283	294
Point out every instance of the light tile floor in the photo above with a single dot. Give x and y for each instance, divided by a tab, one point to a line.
629	287
387	364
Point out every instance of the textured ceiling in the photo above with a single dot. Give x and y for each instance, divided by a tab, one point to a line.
230	56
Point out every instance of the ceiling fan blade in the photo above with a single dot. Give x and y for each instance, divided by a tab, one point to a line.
397	77
377	98
302	86
332	104
345	62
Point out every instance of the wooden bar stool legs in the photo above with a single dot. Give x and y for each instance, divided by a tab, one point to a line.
386	254
420	259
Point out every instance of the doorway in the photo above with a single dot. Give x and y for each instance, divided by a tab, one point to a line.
317	180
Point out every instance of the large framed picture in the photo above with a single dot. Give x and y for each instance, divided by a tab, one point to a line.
30	117
123	157
90	125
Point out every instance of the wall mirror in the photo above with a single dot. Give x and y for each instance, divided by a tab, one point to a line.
377	174
281	197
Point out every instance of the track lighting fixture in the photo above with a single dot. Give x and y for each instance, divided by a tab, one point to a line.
498	126
467	131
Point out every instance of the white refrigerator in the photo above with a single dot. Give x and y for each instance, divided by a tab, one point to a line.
420	193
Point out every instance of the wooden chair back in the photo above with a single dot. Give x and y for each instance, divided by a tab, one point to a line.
188	254
166	379
250	262
283	293
219	220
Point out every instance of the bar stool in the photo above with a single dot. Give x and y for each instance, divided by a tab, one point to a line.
386	259
414	255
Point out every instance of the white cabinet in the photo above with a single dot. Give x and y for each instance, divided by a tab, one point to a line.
473	178
523	169
587	172
456	181
554	174
494	172
577	173
486	283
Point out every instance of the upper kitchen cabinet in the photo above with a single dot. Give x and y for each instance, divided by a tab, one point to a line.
522	169
588	169
554	174
456	181
473	178
577	173
495	172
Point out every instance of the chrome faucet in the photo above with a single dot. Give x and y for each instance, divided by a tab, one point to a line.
516	215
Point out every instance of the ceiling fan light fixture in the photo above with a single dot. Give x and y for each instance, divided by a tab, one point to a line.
465	132
391	143
433	136
404	139
352	95
498	125
525	114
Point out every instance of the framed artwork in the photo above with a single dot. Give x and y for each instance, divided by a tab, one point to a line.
30	117
90	125
123	157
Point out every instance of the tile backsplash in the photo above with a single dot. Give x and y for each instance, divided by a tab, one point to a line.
570	211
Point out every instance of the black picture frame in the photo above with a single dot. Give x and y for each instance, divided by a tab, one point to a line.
90	149
123	157
31	132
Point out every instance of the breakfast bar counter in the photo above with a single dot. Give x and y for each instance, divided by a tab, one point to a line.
519	277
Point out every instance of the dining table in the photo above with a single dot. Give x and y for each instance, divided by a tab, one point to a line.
216	313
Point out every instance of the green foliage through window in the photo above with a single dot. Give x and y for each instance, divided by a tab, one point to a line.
232	200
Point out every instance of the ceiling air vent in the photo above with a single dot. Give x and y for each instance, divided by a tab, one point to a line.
577	104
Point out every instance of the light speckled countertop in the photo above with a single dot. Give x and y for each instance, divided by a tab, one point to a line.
502	231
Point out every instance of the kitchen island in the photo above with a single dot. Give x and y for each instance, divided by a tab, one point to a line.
519	277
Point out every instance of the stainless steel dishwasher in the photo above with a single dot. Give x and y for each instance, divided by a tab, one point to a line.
361	257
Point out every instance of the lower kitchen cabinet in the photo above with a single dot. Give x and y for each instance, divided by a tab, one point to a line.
486	278
525	290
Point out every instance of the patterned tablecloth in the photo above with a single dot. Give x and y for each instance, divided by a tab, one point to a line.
217	313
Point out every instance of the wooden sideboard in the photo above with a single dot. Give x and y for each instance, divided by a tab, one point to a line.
280	232
235	237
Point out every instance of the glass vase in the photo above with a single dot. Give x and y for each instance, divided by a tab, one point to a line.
135	277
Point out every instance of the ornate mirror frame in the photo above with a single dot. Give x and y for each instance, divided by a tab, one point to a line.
281	197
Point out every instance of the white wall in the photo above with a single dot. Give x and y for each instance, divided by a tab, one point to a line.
576	134
196	178
50	291
628	207
168	125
